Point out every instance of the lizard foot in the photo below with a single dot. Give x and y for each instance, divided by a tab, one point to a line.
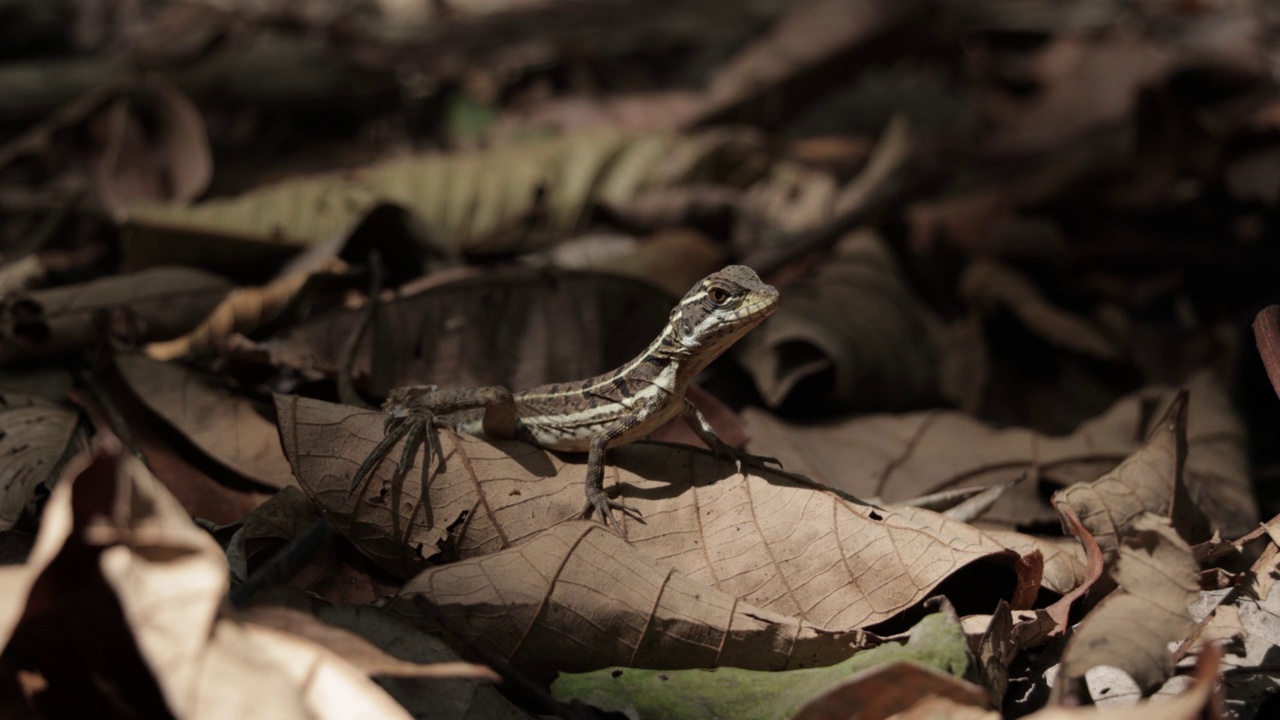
416	426
598	501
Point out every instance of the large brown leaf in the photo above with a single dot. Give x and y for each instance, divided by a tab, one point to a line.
789	547
621	607
519	329
150	305
220	423
897	457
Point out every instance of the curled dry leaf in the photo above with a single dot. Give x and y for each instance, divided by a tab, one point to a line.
886	691
580	580
1149	481
128	166
894	457
242	310
789	547
991	284
153	304
123	591
851	337
519	329
1131	629
513	198
1266	332
225	426
37	438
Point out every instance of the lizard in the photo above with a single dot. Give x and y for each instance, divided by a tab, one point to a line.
602	412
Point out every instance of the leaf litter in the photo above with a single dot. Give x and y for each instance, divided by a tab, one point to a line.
1022	432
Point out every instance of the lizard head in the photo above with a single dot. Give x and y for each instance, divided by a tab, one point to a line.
718	310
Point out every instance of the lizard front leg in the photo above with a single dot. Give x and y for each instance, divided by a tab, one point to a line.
597	499
699	424
417	411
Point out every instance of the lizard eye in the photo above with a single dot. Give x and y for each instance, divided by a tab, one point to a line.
718	295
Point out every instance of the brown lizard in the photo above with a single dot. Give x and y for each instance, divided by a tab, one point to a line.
602	412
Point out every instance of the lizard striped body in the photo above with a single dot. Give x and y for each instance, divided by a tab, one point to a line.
605	411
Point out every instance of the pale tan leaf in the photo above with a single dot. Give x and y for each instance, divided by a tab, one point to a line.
37	437
620	607
224	425
133	601
848	337
1131	629
480	199
894	457
519	329
789	547
935	707
149	305
1149	481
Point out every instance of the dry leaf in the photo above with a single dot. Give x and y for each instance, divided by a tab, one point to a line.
788	547
774	76
885	691
519	329
1196	702
1149	481
358	651
518	197
580	580
152	304
992	284
225	426
243	310
849	337
442	699
1089	82
37	438
1131	629
122	591
894	457
129	167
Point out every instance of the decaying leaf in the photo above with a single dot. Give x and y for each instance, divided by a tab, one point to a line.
150	305
119	603
894	457
789	547
1149	481
517	329
37	438
935	650
224	425
851	336
1131	629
